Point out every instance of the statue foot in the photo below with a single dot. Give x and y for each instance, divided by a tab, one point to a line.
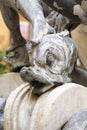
16	58
39	84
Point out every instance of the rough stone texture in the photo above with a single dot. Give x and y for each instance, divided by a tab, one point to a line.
50	111
8	82
2	104
1	121
78	121
52	61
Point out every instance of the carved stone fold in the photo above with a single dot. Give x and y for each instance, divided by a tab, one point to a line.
52	61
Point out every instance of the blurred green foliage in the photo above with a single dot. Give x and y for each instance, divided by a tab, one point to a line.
3	66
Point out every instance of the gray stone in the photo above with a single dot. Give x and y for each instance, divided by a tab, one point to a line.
50	111
78	121
52	61
2	105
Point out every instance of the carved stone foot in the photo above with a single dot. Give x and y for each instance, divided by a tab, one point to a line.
17	58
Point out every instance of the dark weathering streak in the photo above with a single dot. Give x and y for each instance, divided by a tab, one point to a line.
66	7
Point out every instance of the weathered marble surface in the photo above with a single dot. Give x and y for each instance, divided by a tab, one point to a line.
78	121
17	54
51	62
50	111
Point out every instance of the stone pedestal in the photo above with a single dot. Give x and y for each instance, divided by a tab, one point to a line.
50	111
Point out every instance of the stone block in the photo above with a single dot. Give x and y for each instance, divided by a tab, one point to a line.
50	111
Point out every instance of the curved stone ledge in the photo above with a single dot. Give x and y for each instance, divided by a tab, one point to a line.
49	111
19	108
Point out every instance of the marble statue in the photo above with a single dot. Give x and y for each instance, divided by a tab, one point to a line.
33	12
51	62
20	54
78	121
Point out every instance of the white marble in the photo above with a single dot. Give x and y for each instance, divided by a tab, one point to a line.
46	112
